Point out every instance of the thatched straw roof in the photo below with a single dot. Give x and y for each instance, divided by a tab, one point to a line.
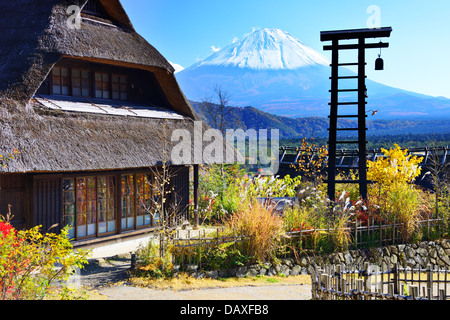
34	37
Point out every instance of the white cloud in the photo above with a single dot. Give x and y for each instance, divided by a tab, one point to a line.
235	39
214	49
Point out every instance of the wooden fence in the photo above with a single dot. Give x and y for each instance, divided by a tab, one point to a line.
190	245
363	234
369	282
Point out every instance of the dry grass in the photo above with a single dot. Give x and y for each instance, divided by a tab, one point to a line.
185	282
262	226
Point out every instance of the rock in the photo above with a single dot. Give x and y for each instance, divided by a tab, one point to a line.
251	272
393	250
422	252
296	270
303	261
410	252
191	268
241	272
445	244
418	260
336	259
410	263
433	253
288	262
348	258
441	252
272	271
445	260
214	274
285	270
394	258
263	271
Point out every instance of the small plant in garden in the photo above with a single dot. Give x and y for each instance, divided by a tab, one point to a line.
223	257
151	263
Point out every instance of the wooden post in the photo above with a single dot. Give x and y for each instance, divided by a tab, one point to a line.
430	282
393	233
395	271
442	294
367	278
196	196
414	292
333	120
362	171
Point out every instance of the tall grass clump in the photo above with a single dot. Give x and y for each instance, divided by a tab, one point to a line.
263	228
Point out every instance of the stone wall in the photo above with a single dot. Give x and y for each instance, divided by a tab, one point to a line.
404	255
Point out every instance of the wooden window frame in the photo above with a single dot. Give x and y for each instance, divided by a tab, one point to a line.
75	179
133	203
81	81
121	85
69	82
118	201
149	191
105	85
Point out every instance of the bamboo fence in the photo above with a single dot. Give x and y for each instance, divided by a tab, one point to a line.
369	282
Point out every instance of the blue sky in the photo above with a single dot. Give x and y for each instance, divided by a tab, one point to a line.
185	31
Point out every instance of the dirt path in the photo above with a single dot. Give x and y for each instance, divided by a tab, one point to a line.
272	292
108	280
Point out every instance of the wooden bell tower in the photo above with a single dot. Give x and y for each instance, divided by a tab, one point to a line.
360	37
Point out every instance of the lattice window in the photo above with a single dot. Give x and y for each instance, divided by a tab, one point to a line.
81	83
60	81
119	87
102	85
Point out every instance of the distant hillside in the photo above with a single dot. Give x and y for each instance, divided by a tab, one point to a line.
252	118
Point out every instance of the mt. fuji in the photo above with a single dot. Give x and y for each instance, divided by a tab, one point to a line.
273	71
266	49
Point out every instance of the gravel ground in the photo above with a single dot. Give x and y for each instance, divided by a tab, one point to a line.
108	279
272	292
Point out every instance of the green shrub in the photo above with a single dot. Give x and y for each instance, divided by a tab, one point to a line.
30	262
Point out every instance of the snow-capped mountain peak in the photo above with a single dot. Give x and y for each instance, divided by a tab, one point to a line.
266	49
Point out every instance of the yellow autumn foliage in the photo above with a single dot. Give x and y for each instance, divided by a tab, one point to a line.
396	167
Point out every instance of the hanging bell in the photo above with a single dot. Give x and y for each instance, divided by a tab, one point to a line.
379	64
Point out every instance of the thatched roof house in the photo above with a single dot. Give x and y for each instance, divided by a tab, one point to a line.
91	108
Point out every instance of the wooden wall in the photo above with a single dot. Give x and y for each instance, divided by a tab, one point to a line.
47	202
13	191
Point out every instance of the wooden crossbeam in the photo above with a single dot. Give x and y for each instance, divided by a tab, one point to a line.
356	46
384	32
